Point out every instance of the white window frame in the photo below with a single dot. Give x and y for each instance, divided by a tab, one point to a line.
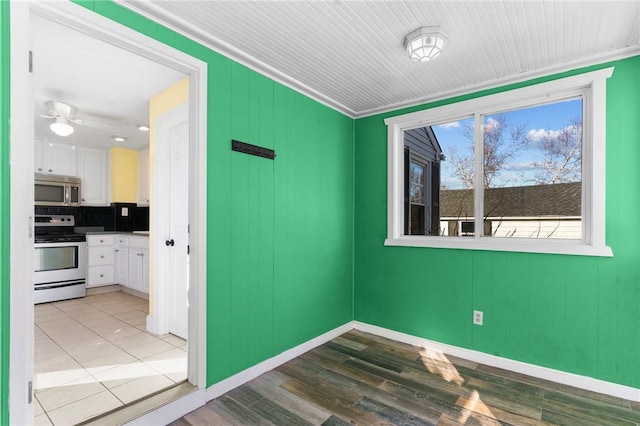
591	87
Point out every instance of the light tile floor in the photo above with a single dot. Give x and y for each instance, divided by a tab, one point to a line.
93	355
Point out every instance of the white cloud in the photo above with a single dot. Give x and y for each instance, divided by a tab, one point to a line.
451	125
537	134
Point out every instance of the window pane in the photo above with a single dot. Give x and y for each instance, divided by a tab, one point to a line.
532	172
439	178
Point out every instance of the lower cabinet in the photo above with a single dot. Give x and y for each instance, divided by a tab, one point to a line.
118	259
132	262
100	269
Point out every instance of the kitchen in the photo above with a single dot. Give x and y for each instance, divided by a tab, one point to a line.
91	229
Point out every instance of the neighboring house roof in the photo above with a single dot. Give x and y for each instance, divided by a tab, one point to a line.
560	199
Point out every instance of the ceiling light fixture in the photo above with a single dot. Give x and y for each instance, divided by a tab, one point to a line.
143	128
61	127
425	43
118	138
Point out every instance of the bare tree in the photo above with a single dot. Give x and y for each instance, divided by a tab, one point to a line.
562	152
501	143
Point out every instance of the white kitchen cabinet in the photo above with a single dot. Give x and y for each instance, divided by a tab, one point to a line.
143	178
138	269
93	170
122	260
100	264
56	158
132	262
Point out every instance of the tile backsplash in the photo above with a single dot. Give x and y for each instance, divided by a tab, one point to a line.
110	218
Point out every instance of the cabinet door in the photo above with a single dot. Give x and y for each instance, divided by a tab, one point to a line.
93	171
61	158
136	269
143	178
122	266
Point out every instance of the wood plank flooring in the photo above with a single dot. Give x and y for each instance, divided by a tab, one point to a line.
364	379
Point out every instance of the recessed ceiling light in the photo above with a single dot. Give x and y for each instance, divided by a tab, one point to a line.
118	138
143	128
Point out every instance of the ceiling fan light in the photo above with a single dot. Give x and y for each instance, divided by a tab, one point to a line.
61	127
118	138
143	128
425	43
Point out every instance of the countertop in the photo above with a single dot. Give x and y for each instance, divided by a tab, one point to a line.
140	233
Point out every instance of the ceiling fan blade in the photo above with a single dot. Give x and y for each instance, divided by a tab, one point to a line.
95	124
47	116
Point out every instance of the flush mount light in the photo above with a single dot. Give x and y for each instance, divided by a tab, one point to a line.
143	128
118	138
61	127
425	43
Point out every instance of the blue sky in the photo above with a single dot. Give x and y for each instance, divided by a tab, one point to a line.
536	121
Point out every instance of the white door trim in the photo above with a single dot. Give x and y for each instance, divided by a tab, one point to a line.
21	303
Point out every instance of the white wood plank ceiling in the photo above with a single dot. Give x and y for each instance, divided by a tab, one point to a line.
349	54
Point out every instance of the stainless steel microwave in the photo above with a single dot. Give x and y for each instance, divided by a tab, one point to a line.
53	190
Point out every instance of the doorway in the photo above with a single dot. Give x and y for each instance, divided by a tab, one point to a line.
22	154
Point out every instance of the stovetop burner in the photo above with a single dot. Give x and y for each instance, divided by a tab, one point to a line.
56	229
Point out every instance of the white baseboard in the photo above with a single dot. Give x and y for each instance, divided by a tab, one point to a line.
251	373
195	400
583	382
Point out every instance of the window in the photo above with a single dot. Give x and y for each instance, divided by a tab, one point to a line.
521	170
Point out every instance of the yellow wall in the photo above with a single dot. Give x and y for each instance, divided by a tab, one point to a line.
161	103
124	175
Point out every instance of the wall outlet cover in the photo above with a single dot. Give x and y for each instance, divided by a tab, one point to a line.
478	317
125	211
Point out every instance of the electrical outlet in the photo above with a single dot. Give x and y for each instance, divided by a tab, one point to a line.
477	317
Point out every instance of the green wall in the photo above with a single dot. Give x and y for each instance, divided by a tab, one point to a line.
571	313
4	209
279	233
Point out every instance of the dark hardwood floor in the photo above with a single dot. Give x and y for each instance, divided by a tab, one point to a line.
364	379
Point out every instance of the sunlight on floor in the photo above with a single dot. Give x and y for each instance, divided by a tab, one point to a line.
472	406
94	354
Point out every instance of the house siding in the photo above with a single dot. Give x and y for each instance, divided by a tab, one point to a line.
572	313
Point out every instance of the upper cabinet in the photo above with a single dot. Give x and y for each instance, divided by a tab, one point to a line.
143	178
56	158
93	171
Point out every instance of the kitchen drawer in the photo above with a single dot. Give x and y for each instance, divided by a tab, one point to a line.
101	256
122	241
100	240
101	275
139	242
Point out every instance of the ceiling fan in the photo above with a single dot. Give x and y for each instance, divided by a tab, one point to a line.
64	114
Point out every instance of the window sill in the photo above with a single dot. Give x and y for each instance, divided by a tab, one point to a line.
501	244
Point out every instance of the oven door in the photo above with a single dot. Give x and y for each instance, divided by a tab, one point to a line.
60	262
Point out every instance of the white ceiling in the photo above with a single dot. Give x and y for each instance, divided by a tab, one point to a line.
105	83
349	54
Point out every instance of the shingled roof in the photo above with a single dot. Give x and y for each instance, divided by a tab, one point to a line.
560	199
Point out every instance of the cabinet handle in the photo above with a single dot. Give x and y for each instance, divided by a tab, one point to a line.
50	170
84	199
101	257
101	275
102	241
39	169
116	250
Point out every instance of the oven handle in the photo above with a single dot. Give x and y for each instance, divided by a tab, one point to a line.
58	284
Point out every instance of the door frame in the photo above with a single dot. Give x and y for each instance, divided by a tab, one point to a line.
21	356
